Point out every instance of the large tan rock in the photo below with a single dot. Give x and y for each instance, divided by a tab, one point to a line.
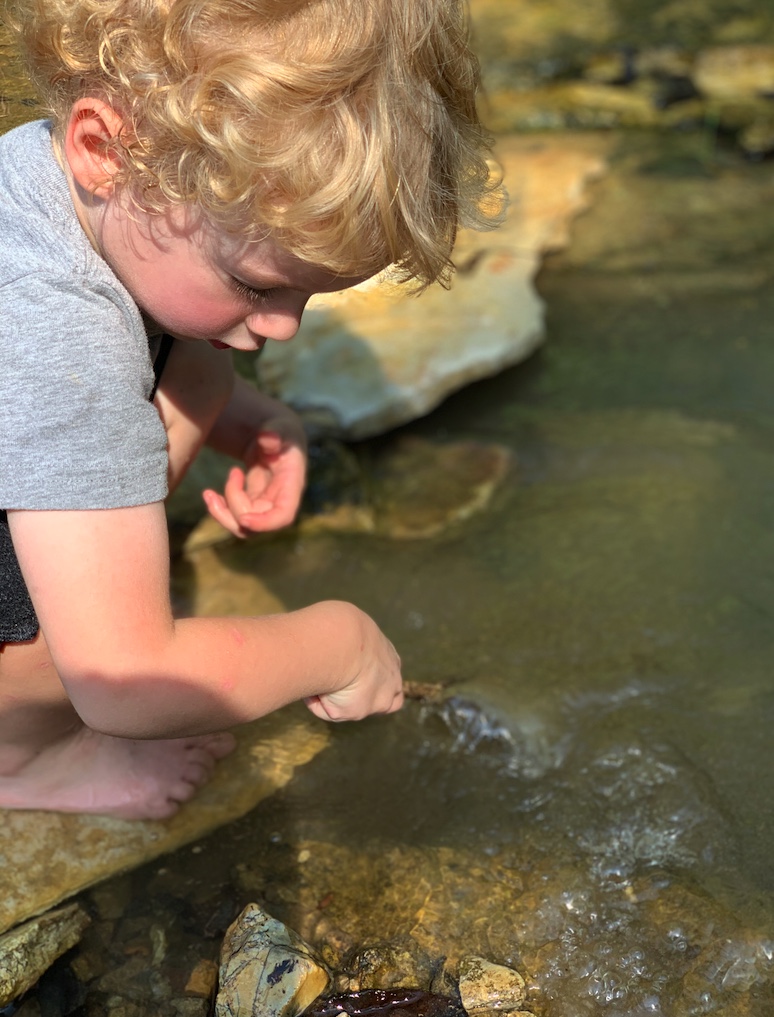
46	857
372	358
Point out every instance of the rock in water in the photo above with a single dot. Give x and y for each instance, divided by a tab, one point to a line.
373	358
266	969
486	988
30	949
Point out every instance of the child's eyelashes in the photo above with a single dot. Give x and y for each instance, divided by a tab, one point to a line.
255	296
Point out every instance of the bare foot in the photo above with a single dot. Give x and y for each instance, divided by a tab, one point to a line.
95	773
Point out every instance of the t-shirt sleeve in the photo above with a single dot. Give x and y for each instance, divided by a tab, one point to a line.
76	428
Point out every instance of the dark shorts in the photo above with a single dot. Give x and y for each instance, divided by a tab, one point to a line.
18	621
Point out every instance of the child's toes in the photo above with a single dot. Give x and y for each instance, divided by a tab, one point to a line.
181	791
197	771
220	744
163	808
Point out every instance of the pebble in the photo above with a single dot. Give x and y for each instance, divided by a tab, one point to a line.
489	988
202	980
266	969
735	72
190	1007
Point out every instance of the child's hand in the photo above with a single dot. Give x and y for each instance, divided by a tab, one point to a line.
376	688
266	494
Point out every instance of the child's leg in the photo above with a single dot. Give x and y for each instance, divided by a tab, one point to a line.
48	759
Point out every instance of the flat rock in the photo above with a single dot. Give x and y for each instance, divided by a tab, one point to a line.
46	857
373	358
413	488
423	487
266	969
29	950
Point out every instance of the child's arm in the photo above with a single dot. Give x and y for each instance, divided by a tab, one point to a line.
99	582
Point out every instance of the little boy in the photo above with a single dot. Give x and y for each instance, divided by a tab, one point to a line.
208	166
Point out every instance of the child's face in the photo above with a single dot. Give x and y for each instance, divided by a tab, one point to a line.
196	282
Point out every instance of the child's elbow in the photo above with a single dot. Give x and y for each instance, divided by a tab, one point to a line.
111	703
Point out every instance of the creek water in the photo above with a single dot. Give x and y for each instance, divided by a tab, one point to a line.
604	630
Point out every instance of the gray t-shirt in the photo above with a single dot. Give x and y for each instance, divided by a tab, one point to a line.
76	428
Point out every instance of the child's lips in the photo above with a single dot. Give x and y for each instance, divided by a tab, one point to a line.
218	345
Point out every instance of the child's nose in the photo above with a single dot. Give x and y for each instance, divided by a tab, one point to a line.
279	325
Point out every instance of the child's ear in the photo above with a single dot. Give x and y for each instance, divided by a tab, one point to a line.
92	125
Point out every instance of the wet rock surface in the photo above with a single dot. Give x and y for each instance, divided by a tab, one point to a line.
30	949
576	924
611	63
266	969
47	857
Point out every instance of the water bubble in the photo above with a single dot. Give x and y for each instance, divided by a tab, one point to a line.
651	1005
766	950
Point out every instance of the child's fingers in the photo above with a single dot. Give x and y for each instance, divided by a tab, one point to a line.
234	491
315	704
219	510
246	505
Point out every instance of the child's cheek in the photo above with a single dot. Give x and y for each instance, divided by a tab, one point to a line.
196	316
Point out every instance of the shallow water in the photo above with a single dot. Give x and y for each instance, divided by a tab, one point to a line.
604	627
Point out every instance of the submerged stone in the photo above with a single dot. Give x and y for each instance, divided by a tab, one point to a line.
422	487
414	488
266	969
29	950
487	987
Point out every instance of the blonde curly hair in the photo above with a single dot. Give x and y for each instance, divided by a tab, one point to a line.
346	129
